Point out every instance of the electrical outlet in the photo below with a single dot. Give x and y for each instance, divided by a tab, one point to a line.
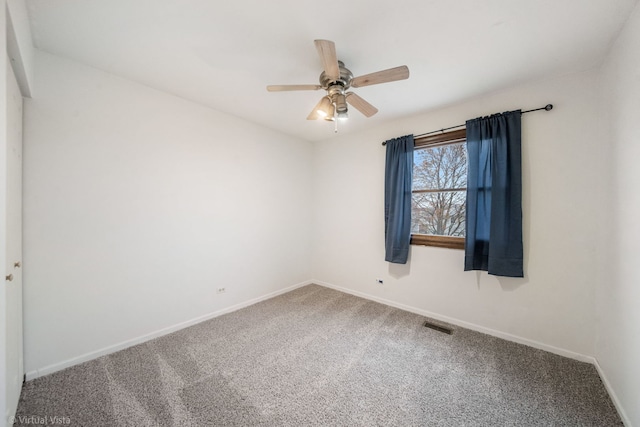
221	290
379	281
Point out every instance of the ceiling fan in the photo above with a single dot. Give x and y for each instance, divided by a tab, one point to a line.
336	79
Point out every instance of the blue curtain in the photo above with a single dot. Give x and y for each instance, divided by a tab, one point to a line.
494	195
397	198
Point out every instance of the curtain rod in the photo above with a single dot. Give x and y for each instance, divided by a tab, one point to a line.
547	107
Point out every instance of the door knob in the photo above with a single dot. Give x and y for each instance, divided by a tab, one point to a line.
9	277
17	264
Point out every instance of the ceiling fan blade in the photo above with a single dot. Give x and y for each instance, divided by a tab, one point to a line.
327	52
313	115
361	105
390	75
283	88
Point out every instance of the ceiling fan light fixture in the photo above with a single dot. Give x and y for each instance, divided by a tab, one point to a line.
330	112
341	103
342	115
325	108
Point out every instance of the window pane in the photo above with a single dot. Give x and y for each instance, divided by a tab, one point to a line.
440	167
441	213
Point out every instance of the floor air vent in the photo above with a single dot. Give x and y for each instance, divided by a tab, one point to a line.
438	328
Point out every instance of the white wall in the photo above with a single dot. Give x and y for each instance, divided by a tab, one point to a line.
553	307
618	331
138	205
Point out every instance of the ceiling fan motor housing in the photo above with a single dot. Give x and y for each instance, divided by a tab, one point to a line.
343	80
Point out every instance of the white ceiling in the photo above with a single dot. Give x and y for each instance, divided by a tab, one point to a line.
224	54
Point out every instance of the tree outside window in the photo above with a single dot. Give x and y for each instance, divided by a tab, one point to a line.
439	191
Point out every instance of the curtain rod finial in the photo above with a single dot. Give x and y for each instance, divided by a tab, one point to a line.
548	107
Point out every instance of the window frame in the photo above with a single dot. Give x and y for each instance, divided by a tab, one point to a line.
431	141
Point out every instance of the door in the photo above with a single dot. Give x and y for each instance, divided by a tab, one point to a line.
13	282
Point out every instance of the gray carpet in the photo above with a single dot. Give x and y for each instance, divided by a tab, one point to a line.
316	357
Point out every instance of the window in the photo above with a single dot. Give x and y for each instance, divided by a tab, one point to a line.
439	190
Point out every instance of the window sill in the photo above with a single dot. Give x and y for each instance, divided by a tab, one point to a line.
438	241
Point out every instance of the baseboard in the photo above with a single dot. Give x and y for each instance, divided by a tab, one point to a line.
164	331
612	394
463	324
